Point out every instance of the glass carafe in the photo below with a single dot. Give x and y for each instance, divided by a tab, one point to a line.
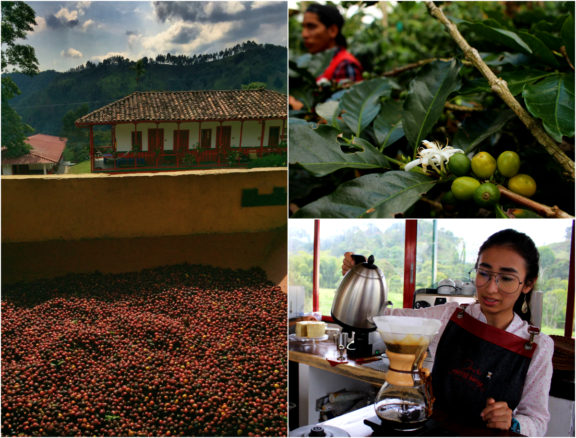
404	401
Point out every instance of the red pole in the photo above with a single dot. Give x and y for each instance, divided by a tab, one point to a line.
91	150
262	137
411	233
569	323
199	148
241	129
315	276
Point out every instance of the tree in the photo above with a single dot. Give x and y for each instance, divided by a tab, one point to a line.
14	130
139	70
254	86
78	139
17	19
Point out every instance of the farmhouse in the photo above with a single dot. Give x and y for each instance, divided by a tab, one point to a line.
45	157
167	130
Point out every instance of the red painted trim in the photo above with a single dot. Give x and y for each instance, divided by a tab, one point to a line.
91	149
262	137
494	335
410	238
125	122
569	323
315	270
199	135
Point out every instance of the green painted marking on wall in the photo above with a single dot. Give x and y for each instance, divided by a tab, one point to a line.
251	197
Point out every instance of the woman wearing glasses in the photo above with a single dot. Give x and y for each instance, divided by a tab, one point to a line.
490	364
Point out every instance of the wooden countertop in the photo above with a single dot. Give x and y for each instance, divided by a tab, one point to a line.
315	354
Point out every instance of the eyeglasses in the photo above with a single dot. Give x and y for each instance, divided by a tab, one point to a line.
507	283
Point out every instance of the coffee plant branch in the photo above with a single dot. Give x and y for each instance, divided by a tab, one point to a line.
541	209
500	87
396	71
566	57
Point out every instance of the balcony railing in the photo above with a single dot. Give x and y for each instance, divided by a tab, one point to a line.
108	160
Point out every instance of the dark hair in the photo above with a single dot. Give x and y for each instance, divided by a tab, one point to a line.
329	15
525	247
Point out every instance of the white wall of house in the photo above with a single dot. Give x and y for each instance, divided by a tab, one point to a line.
245	134
7	169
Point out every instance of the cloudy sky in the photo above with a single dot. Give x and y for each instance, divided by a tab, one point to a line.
68	34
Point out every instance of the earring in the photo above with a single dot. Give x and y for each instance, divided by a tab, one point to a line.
525	305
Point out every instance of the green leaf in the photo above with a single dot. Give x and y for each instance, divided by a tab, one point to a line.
539	49
479	127
518	79
319	151
490	31
383	195
388	125
361	105
315	63
503	58
328	110
552	100
426	97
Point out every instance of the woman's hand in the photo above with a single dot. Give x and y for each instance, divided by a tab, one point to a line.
497	415
347	262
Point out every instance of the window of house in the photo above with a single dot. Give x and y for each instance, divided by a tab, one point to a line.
136	140
448	249
206	138
274	136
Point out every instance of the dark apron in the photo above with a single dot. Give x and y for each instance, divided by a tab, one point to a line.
475	361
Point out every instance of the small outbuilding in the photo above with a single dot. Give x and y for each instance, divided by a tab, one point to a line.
45	157
167	130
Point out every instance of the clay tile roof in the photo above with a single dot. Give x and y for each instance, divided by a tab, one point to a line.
142	106
45	149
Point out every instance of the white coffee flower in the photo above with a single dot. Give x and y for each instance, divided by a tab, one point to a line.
433	154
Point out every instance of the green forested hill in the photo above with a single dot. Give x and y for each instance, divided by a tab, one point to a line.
48	96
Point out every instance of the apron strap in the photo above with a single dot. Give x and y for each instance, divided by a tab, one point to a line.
498	336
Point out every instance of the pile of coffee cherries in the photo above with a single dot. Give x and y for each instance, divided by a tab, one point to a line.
173	351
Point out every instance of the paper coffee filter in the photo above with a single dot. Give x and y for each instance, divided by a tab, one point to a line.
397	328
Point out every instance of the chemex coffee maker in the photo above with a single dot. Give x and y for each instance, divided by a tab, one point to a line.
404	402
361	295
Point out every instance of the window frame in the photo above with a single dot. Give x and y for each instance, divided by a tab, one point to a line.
410	248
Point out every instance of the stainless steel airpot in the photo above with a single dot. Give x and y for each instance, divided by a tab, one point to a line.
361	295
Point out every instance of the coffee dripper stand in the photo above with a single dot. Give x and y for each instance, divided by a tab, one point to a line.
404	402
343	342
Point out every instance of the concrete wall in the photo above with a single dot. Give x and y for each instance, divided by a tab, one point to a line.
52	225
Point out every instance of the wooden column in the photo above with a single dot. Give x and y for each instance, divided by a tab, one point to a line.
174	150
262	137
219	142
91	150
241	131
199	148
